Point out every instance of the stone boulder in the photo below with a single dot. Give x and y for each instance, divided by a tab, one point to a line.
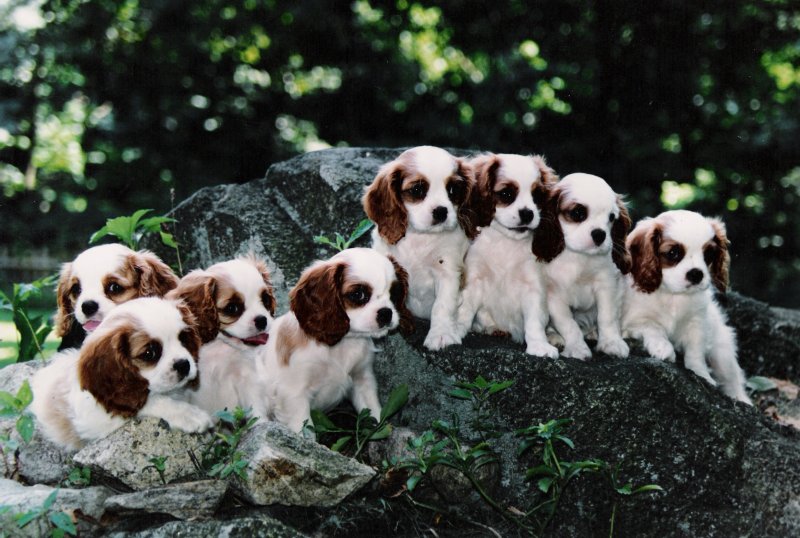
187	500
726	470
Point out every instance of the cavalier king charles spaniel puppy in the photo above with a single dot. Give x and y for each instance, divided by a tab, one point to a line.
679	258
321	351
99	279
234	300
135	364
420	203
582	239
505	290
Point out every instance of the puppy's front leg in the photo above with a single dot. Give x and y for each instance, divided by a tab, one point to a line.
694	351
655	341
608	296
561	316
443	331
535	318
364	393
181	415
293	411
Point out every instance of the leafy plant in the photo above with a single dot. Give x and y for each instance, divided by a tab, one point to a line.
12	406
159	465
131	229
220	457
758	383
478	392
59	522
367	428
32	330
339	242
79	477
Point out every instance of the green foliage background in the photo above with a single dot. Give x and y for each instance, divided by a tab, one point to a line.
105	106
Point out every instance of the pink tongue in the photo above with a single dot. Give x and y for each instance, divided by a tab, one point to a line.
91	325
257	340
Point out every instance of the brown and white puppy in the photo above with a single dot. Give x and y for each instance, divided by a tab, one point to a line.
679	258
505	290
420	205
321	351
101	278
135	364
582	239
233	300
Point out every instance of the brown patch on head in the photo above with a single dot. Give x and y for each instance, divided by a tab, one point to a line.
316	301
548	239
717	256
289	338
356	294
66	296
482	201
548	176
198	290
461	190
644	245
670	253
106	369
398	293
121	286
151	276
383	202
619	234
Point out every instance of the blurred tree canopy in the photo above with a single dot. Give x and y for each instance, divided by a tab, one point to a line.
106	106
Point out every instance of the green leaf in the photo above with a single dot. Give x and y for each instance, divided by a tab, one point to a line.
153	224
48	502
758	383
382	433
26	517
341	442
168	239
322	240
24	394
99	234
361	228
62	521
321	422
544	484
412	482
503	385
540	470
25	427
461	394
646	488
397	399
8	401
566	440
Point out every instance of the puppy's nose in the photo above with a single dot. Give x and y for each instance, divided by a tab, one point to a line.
525	216
89	307
260	322
384	317
439	214
182	366
598	236
694	276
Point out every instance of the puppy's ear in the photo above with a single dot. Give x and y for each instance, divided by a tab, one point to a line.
198	291
548	238
65	315
155	276
383	205
643	245
467	218
398	294
548	176
481	202
317	303
721	263
619	234
106	370
261	267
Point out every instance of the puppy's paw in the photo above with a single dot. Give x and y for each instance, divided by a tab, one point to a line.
577	350
661	349
555	339
440	340
196	421
616	347
541	349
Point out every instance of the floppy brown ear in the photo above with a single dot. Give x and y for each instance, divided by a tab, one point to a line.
155	277
619	234
481	202
467	218
720	266
398	294
643	245
105	369
65	315
198	291
383	205
261	267
548	238
317	303
547	174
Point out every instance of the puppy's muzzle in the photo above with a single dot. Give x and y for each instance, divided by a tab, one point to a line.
598	236
182	366
694	276
439	215
384	317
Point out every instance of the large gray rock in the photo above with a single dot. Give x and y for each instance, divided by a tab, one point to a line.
288	469
187	500
726	470
261	525
121	460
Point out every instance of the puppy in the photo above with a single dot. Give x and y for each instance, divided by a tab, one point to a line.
235	301
134	364
669	302
99	279
321	351
505	289
420	205
582	237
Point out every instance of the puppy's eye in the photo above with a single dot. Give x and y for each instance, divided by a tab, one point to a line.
674	254
418	191
455	191
578	213
75	290
710	255
506	195
152	352
233	309
358	295
611	217
114	289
